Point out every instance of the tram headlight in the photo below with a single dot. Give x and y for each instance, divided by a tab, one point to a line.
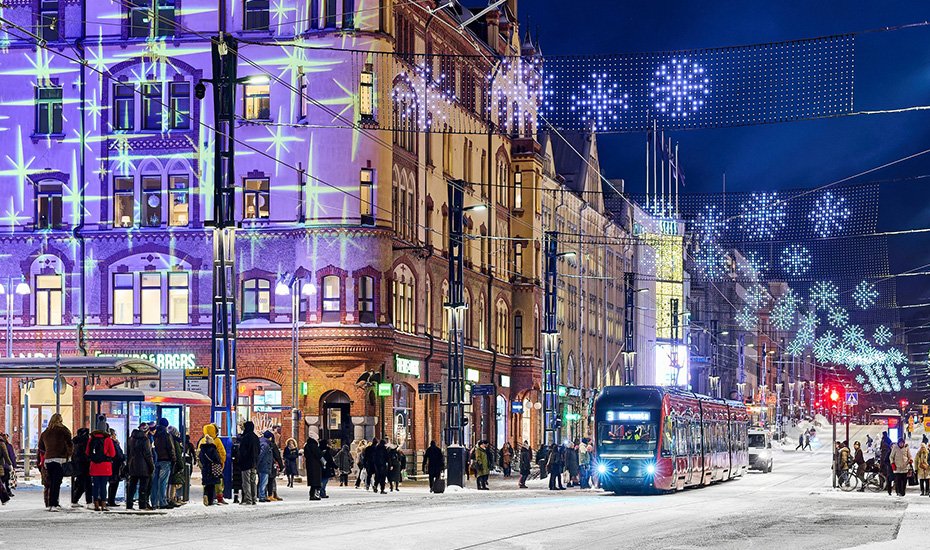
602	468
650	468
625	469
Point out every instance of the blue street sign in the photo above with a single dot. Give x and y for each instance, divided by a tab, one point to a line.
430	388
483	389
516	407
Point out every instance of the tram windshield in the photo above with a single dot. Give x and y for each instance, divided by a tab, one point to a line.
626	436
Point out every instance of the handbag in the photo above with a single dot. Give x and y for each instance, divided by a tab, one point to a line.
67	469
216	469
911	477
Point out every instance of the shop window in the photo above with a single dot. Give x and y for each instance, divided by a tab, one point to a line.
151	201
257	102
178	298
256	15
257	199
403	415
259	401
123	299
48	110
178	200
150	298
366	299
48	206
124	107
48	300
256	298
332	299
179	105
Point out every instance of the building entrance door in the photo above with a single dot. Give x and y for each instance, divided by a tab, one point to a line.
337	419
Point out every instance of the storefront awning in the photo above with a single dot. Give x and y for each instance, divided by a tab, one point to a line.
77	367
133	395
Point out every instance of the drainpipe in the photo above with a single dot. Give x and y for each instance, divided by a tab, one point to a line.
77	232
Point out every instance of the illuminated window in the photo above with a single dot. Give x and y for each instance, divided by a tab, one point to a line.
151	106
48	300
179	104
366	94
404	297
503	333
257	199
366	299
48	20
150	293
256	15
178	298
124	101
518	190
366	196
48	110
123	299
48	206
256	298
178	197
332	300
151	201
348	14
257	102
123	201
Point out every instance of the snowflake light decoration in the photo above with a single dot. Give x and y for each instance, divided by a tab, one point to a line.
762	216
809	322
753	265
905	371
854	336
794	348
823	346
712	260
796	260
829	214
907	384
895	357
747	319
860	379
882	335
838	317
601	101
679	87
867	388
824	295
756	297
865	295
784	311
710	224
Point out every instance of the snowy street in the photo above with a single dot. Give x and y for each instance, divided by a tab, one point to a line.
794	504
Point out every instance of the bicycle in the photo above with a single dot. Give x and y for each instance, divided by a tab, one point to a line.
848	480
874	481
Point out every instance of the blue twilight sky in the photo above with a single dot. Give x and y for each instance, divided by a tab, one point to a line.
892	70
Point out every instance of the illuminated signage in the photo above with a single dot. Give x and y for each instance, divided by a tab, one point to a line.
404	365
384	389
628	416
164	361
505	381
472	375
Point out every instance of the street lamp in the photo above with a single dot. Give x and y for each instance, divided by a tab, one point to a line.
21	289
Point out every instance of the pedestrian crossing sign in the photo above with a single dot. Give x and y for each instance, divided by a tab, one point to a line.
852	398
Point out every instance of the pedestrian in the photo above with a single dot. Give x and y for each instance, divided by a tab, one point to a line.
277	465
554	465
313	462
140	467
8	477
360	451
5	466
100	454
542	459
211	469
807	442
869	442
433	464
119	462
859	461
265	461
291	454
584	464
397	464
924	439
901	463
178	469
506	458
344	465
885	461
80	466
526	460
55	447
482	465
236	471
800	442
329	466
922	463
247	457
164	465
572	462
379	459
213	431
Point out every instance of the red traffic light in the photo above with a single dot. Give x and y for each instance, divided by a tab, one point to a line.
904	403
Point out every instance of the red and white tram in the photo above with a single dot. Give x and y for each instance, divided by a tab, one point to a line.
657	438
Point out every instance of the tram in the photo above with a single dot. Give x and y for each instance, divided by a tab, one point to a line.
651	438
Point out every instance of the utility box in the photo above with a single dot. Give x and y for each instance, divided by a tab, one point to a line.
455	465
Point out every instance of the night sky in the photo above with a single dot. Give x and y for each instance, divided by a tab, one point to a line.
892	71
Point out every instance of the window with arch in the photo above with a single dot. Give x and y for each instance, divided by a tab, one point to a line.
404	203
366	299
405	111
429	306
332	298
518	333
403	415
503	330
403	291
49	300
446	312
482	335
256	298
467	318
570	371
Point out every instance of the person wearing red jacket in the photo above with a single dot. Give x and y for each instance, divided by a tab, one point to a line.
101	452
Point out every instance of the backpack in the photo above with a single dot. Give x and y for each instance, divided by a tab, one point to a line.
98	450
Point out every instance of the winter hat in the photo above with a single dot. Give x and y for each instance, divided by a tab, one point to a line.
268	434
248	427
208	440
102	425
163	421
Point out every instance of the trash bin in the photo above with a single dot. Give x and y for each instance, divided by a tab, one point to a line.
455	465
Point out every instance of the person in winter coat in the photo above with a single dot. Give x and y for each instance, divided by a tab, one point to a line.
118	461
313	462
344	465
265	461
482	465
542	459
178	469
213	431
329	466
506	458
5	464
80	466
247	462
211	468
368	459
585	450
433	464
526	463
100	452
360	463
379	464
571	463
164	465
56	448
900	462
236	471
8	464
291	454
922	463
397	463
277	464
859	461
884	454
554	464
140	466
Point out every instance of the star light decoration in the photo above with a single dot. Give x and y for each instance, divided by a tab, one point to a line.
865	295
762	216
829	214
601	101
882	335
796	260
679	88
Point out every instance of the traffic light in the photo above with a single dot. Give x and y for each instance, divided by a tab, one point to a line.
834	396
904	403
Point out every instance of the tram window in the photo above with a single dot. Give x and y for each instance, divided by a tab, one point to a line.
627	436
668	438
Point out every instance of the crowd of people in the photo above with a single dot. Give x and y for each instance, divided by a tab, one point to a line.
566	465
899	468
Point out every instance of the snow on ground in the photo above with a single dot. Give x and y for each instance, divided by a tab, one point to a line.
794	505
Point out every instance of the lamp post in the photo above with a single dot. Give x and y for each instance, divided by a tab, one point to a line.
21	289
296	290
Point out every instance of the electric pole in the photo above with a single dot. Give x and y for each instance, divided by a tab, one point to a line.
550	342
455	309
